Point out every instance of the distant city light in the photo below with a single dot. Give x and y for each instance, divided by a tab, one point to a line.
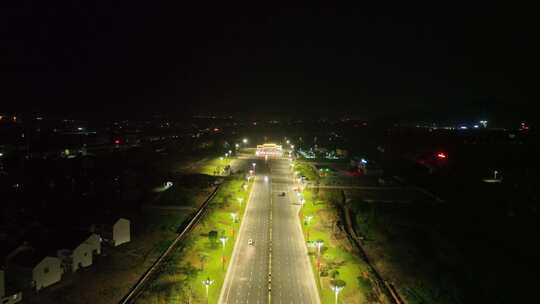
117	141
363	161
441	155
80	128
1	154
463	127
475	126
245	140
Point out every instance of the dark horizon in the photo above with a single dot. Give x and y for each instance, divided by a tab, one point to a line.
106	59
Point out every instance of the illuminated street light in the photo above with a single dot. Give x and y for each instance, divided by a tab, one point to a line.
336	289
307	221
230	152
234	217
223	240
319	244
245	140
1	154
288	142
207	284
292	146
221	158
240	201
236	146
254	164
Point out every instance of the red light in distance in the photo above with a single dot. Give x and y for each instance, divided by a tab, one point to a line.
441	155
117	141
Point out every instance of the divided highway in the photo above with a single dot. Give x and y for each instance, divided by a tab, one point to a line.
279	247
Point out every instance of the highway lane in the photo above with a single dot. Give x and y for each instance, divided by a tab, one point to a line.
247	277
292	275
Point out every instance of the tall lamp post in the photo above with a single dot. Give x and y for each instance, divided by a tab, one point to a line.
207	284
307	221
336	289
234	217
319	244
223	240
240	201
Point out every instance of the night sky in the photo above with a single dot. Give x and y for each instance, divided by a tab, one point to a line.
132	58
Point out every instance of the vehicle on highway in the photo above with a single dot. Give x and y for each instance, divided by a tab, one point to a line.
250	242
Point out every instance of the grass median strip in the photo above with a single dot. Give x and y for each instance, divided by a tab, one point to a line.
205	253
337	263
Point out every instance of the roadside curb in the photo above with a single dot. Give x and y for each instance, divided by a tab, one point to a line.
234	252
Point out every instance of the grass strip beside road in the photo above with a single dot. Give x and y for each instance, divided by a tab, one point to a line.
200	256
215	166
339	259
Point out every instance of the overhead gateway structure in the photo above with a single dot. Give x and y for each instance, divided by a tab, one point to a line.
269	150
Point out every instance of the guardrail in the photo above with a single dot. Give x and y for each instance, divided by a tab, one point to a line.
136	290
389	288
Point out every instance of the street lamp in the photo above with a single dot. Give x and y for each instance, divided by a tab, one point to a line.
234	217
307	221
223	240
319	244
236	146
207	284
240	201
245	140
253	164
336	289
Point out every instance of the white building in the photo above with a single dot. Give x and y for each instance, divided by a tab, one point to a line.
121	232
77	249
33	269
272	150
94	241
5	296
116	232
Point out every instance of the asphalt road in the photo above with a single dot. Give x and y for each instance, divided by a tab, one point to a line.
247	277
269	214
292	276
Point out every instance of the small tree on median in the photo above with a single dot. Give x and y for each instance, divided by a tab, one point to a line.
212	237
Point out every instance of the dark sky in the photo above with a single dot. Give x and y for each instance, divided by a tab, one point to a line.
134	58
